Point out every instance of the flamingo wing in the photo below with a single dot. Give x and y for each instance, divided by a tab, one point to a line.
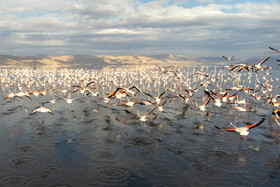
162	94
131	113
148	94
273	49
230	130
150	112
255	124
264	60
90	83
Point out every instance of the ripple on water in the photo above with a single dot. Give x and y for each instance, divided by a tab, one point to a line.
23	161
24	148
13	180
108	141
160	168
150	152
53	169
203	170
105	156
113	174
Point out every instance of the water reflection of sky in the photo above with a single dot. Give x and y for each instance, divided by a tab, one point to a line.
92	142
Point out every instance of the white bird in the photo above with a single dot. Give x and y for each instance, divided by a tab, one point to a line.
228	58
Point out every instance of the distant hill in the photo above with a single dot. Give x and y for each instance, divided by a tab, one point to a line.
102	60
87	60
34	60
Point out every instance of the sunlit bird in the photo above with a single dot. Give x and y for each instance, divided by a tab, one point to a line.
243	131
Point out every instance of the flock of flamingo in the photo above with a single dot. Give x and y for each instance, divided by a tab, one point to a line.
141	93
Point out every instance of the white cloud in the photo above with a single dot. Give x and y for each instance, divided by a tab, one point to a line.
124	26
261	10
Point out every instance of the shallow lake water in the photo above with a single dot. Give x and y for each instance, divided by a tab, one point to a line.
92	142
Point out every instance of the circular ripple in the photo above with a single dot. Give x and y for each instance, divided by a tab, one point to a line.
203	169
105	156
23	161
145	152
54	169
113	174
24	148
150	152
13	180
160	168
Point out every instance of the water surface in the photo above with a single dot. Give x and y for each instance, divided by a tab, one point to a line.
91	142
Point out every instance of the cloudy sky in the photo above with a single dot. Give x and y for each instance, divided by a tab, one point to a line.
139	27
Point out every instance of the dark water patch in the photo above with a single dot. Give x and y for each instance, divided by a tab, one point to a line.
272	167
58	124
217	154
54	183
66	150
81	173
139	140
13	181
8	113
113	174
179	147
26	118
224	158
109	141
87	148
60	185
268	136
271	142
62	120
86	129
12	109
88	138
174	181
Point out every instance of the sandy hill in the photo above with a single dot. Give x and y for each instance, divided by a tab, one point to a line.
87	60
102	60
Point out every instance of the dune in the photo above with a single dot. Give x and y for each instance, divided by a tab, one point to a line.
104	60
